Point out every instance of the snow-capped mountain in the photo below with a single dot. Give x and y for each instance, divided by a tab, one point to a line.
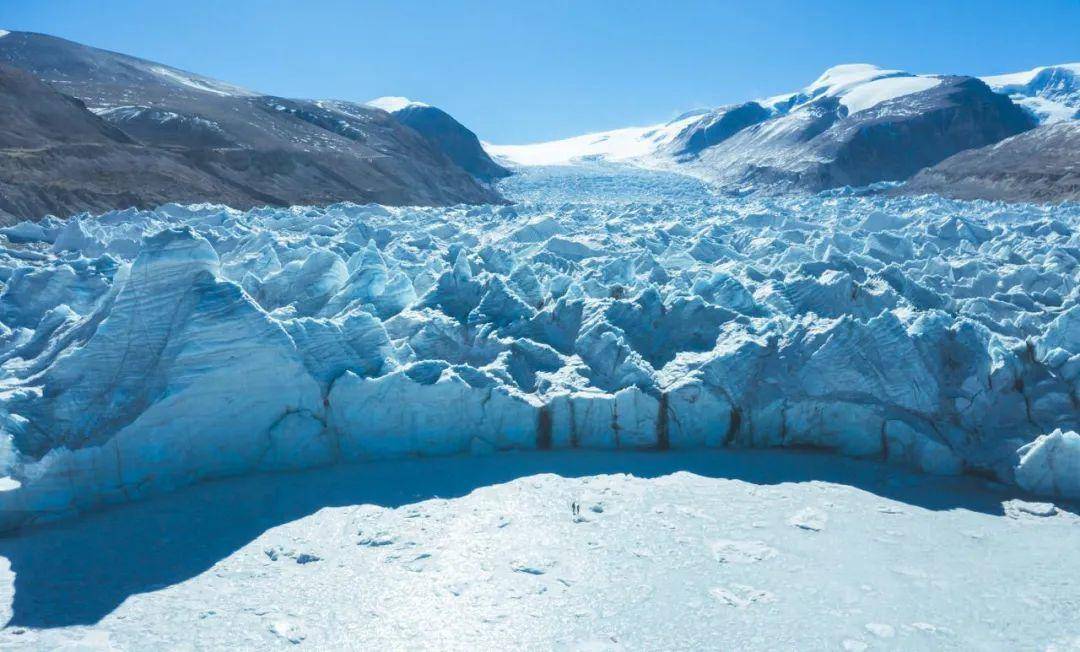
1052	93
263	149
856	124
881	130
857	86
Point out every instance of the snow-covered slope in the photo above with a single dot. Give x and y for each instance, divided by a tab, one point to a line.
855	125
632	144
858	87
862	86
146	350
392	103
1052	93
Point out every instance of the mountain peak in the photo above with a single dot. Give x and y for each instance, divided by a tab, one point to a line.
1026	77
1052	93
838	80
849	73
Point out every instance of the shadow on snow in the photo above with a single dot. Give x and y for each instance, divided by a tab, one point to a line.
78	571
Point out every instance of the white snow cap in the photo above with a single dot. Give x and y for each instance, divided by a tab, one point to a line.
3	33
872	93
861	86
393	103
999	82
1051	93
840	79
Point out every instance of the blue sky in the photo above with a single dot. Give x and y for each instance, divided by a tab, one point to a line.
519	72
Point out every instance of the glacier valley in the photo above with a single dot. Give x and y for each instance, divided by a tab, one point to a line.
608	309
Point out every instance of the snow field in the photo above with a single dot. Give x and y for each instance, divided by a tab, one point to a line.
733	550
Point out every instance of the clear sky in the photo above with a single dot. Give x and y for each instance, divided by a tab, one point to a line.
521	71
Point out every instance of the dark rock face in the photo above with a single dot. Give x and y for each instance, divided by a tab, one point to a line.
167	128
1041	165
896	139
234	146
57	157
716	127
36	115
453	139
818	145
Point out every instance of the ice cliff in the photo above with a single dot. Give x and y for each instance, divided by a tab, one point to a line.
143	350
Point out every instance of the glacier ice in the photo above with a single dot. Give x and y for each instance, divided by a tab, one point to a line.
144	350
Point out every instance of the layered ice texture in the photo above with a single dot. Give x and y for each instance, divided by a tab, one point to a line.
145	350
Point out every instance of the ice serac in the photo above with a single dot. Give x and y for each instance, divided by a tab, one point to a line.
1051	464
145	350
177	375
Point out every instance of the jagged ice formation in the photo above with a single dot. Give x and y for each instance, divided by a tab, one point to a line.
144	350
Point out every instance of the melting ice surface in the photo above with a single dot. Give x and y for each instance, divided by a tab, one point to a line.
144	350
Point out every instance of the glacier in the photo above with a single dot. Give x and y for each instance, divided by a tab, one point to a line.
609	308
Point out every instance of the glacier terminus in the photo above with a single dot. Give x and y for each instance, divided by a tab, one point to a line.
608	309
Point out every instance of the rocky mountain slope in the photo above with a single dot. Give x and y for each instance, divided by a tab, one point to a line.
57	157
447	134
250	149
832	141
1041	165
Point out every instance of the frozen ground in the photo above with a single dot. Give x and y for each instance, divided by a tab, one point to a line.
722	550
